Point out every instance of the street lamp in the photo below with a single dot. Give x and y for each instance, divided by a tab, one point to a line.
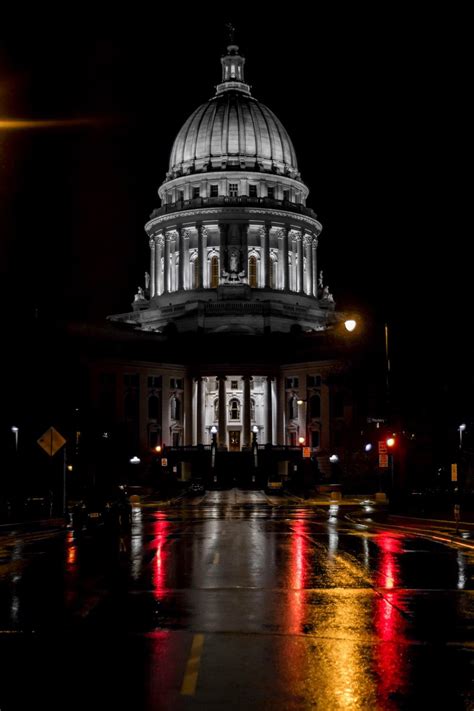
461	429
350	324
15	432
213	448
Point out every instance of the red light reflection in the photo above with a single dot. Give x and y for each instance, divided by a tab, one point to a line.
390	624
161	531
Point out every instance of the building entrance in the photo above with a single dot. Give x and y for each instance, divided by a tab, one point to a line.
234	441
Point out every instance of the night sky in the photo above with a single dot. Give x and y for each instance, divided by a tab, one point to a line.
376	107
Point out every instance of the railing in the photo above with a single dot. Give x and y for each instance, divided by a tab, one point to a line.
238	201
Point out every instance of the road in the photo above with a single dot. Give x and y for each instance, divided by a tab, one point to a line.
236	600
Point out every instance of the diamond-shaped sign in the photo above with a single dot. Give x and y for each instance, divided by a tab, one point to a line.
51	441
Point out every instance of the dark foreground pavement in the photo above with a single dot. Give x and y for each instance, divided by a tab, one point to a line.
235	600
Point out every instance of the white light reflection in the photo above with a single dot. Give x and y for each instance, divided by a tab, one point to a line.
461	561
136	544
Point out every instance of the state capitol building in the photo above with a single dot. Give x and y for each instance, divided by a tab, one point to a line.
233	338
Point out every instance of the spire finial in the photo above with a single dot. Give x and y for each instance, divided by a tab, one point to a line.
231	29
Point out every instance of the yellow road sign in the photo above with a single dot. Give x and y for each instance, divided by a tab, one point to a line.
51	441
454	472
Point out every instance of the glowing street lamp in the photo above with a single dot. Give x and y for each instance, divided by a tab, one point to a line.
461	429
350	324
15	431
135	460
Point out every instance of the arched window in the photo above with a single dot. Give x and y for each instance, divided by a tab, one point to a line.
315	406
216	409
292	408
175	408
131	406
234	409
253	272
153	407
214	276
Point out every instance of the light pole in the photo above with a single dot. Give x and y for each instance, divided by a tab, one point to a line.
461	429
213	448
15	431
255	449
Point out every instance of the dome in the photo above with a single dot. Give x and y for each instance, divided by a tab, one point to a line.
233	130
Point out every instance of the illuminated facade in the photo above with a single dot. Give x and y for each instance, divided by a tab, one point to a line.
233	253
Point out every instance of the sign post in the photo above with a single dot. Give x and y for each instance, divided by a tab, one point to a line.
51	442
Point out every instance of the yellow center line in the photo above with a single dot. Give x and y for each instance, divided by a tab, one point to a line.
188	687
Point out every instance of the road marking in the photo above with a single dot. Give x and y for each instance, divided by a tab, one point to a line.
216	559
188	687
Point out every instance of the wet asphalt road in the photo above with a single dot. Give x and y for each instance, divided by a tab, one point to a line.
236	601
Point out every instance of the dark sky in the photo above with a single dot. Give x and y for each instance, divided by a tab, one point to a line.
376	106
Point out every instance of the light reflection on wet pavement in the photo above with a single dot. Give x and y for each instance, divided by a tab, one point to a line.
289	606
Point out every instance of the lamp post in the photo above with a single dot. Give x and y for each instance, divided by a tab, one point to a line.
255	449
213	448
461	429
15	431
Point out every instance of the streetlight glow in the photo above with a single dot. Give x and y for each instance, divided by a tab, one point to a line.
368	447
350	324
333	458
135	460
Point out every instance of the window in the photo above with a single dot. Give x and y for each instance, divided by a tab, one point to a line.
234	384
252	191
286	195
252	410
214	191
176	438
196	193
175	408
234	409
233	189
315	438
131	405
216	410
107	380
271	192
253	272
153	440
214	272
153	408
154	381
291	383
315	406
292	408
169	199
131	380
181	195
176	383
313	381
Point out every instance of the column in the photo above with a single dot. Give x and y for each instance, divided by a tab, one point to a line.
152	267
187	271
166	266
181	259
199	439
325	417
309	269
202	243
268	413
246	421
284	259
268	261
265	255
188	411
314	266
299	251
222	434
280	405
159	272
